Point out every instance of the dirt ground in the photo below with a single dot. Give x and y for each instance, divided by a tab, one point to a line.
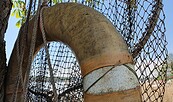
168	97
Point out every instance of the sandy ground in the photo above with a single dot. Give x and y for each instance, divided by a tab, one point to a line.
168	97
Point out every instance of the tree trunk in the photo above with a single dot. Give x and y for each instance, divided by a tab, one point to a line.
5	8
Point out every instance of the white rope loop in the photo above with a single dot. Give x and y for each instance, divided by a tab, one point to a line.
48	55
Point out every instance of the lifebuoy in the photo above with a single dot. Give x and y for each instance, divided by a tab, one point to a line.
97	45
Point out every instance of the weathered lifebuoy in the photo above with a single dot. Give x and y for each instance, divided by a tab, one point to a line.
97	45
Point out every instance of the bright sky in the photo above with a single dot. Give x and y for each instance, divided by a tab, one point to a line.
12	30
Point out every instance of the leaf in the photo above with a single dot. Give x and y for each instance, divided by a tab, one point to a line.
18	24
59	1
89	1
13	13
23	21
23	12
98	3
18	14
22	5
13	6
17	4
54	1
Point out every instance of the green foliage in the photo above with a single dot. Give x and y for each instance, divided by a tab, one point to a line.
19	11
170	63
133	4
93	3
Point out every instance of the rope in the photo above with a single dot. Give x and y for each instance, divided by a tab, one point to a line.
20	60
47	53
99	79
32	47
130	69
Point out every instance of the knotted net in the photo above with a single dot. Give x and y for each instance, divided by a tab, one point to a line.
141	23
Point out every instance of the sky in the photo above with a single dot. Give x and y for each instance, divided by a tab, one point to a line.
168	9
12	30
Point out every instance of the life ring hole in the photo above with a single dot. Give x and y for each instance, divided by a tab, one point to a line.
66	73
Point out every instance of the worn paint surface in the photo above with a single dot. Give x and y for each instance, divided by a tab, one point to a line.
118	79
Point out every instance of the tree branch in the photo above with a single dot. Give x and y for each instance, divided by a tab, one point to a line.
5	8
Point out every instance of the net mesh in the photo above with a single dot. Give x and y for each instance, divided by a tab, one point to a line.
141	23
67	75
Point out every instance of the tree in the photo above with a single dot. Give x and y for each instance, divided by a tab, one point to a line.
170	63
170	58
5	8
